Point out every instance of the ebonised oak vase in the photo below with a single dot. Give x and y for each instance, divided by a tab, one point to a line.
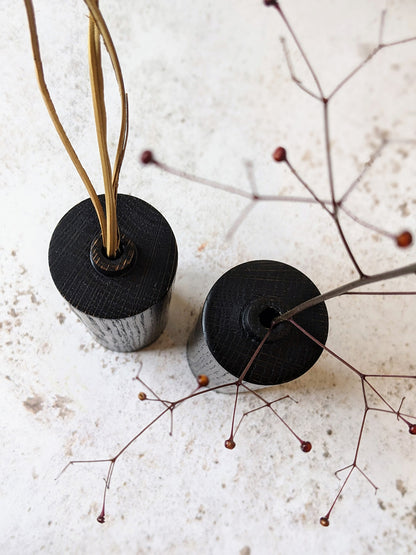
237	314
122	301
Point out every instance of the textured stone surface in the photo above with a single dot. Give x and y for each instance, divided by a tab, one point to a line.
208	89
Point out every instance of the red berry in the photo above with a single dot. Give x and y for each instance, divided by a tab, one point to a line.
229	443
404	239
279	155
147	157
203	380
412	429
324	521
101	519
306	446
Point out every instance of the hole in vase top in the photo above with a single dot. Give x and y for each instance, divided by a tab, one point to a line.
258	315
124	259
267	315
118	254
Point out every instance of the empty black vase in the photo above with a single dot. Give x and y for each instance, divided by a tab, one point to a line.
122	301
237	314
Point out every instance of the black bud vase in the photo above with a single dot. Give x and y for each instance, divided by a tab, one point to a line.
122	301
237	314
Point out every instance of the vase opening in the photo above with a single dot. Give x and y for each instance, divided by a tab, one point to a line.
124	259
257	318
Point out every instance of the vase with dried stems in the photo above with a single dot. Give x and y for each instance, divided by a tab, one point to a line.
373	400
113	257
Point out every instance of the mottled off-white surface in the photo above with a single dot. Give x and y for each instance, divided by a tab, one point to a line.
209	89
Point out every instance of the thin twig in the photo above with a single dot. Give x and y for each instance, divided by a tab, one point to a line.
302	52
309	189
341	290
365	169
97	89
239	220
297	81
202	180
366	224
381	45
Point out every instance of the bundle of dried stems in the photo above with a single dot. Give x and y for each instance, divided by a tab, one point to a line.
97	29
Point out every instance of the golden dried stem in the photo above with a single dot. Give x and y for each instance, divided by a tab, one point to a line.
97	89
108	42
97	28
121	149
56	121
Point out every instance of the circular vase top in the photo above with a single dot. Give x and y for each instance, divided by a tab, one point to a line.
113	295
239	311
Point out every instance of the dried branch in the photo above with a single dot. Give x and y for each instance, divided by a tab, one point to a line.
97	28
56	121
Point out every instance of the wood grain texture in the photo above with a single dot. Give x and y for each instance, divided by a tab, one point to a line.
124	311
230	326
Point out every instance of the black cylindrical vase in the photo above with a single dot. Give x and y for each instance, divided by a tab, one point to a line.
237	314
122	301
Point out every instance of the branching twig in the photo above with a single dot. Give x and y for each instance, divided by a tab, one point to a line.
407	419
170	406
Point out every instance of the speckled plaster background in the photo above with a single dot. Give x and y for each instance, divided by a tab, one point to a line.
208	90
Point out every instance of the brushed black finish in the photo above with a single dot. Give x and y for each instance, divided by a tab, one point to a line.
144	283
238	312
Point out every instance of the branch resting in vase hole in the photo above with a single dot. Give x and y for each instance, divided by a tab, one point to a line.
333	206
